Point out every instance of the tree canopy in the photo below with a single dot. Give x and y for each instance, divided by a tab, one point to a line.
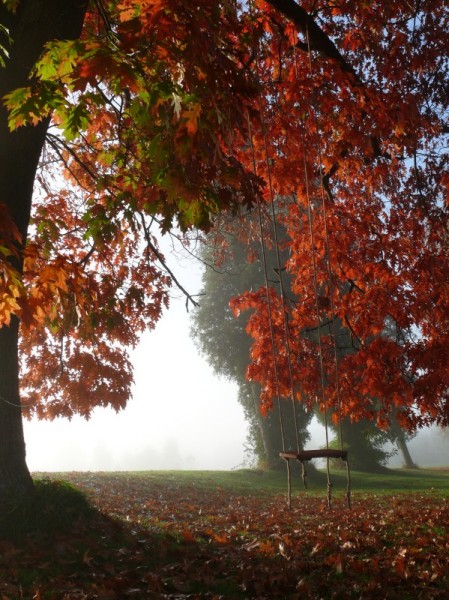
163	112
353	150
141	134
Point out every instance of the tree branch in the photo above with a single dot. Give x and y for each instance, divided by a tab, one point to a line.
160	258
316	37
353	333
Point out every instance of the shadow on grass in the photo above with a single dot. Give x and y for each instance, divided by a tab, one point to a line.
54	544
53	508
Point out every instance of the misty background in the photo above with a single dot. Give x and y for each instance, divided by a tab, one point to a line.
181	415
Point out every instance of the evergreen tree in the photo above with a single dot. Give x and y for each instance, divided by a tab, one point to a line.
221	338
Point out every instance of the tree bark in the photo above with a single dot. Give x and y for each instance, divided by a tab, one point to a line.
14	474
35	23
402	445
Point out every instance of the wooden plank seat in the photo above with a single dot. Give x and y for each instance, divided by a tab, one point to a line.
309	454
305	455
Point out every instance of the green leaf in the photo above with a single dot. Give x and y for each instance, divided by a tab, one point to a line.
73	120
28	106
4	54
5	251
59	60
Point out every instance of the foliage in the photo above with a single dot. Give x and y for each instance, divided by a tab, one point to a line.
234	263
353	150
228	535
140	133
172	112
365	444
217	333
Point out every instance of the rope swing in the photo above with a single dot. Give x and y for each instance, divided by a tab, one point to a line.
300	455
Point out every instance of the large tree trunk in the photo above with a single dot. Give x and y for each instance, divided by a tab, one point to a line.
14	475
34	24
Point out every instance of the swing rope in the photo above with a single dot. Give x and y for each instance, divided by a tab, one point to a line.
341	454
282	290
270	316
327	256
300	455
281	283
318	321
269	305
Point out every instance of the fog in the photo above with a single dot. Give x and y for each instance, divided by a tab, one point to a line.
181	416
429	448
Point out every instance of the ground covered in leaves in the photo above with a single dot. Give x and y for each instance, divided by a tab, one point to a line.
173	537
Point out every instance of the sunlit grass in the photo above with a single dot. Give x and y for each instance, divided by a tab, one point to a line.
258	482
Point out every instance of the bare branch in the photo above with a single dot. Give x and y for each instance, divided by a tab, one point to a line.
161	259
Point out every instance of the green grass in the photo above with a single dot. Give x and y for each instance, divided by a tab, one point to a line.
395	481
54	507
258	482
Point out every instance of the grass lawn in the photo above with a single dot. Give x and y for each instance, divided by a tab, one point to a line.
216	535
257	482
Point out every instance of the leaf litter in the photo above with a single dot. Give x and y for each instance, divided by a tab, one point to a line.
170	540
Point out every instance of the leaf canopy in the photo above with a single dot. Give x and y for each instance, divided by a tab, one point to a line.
169	113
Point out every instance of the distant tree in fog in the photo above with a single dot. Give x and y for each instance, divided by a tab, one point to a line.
222	339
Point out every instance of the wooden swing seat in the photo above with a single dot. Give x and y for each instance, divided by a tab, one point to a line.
309	454
305	455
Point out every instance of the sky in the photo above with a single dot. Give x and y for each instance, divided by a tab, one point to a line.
181	416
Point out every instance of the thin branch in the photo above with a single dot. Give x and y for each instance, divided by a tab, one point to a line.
55	141
160	258
353	333
86	257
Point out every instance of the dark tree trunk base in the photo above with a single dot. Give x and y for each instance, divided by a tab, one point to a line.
14	475
31	26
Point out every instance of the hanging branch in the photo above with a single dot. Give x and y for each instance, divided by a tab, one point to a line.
160	258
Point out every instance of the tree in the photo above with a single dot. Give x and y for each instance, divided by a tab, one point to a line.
31	27
222	339
171	112
140	135
234	264
364	170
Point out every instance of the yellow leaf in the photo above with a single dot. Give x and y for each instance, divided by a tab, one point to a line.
39	315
